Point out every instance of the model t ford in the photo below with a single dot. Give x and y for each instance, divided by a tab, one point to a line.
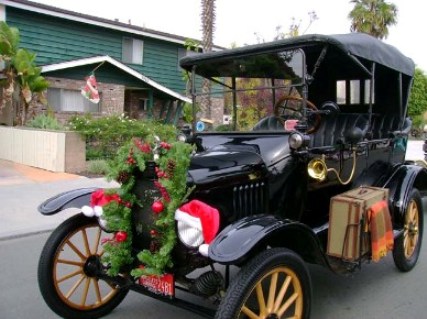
321	178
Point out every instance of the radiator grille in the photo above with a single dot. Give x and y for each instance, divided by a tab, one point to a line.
249	199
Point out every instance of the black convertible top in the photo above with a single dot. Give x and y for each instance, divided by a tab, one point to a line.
359	45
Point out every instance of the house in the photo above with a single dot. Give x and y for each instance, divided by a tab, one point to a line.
136	68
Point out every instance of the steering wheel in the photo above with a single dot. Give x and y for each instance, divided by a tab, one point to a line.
290	107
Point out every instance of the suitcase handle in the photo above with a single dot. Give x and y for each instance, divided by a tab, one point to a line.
362	191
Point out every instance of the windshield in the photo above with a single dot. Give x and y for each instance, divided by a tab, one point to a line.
283	65
253	83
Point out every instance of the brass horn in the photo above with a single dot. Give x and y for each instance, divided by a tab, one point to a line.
317	169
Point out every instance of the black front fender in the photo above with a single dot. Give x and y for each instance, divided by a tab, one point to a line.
238	241
74	198
400	184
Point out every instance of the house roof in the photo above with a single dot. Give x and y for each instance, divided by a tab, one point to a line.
100	22
121	66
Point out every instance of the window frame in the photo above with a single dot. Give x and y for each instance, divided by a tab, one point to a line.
87	106
132	51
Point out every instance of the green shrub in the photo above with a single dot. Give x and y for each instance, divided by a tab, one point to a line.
45	122
98	167
105	135
224	128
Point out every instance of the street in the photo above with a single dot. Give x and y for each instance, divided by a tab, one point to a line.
378	291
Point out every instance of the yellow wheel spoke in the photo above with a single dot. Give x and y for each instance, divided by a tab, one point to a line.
272	291
286	305
76	250
76	285
249	313
97	291
96	243
70	275
282	293
70	262
260	298
85	291
86	242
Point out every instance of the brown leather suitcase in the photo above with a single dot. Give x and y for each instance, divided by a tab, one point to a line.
347	238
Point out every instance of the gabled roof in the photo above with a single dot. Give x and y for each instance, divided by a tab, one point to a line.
119	65
100	22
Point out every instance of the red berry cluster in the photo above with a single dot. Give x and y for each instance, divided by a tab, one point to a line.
165	145
130	159
160	173
144	147
126	204
163	191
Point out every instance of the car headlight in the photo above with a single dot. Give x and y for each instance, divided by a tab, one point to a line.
296	140
190	235
181	138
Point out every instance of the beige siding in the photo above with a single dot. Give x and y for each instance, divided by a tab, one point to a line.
53	151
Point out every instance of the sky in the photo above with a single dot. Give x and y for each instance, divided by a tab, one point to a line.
240	21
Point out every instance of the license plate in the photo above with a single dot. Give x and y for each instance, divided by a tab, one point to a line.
161	285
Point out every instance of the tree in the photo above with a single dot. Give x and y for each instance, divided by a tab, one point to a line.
417	104
21	75
373	17
208	27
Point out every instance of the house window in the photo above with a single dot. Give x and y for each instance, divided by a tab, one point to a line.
143	105
132	51
64	100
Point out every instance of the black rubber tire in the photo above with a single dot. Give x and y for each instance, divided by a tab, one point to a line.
240	290
402	262
46	273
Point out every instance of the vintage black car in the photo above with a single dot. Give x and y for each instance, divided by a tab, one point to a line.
298	187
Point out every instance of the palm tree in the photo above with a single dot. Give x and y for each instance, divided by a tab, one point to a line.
208	27
373	17
21	75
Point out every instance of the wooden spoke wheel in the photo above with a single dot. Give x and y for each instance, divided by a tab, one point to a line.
407	246
273	285
68	268
411	229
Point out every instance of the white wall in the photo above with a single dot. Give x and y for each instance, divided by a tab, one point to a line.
49	150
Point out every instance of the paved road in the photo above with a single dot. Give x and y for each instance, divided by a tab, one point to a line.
378	291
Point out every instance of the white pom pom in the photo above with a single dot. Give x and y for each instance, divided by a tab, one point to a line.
98	211
204	250
103	223
88	211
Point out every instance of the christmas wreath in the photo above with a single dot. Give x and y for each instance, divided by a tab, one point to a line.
113	207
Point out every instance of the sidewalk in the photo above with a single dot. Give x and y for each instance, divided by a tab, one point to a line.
23	188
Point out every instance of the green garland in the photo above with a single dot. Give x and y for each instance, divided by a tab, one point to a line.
172	161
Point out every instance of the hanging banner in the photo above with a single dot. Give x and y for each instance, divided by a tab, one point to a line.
90	91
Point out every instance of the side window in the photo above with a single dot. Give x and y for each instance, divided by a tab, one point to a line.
368	91
341	92
132	51
353	92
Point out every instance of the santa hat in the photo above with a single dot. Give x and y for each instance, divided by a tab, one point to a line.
201	216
